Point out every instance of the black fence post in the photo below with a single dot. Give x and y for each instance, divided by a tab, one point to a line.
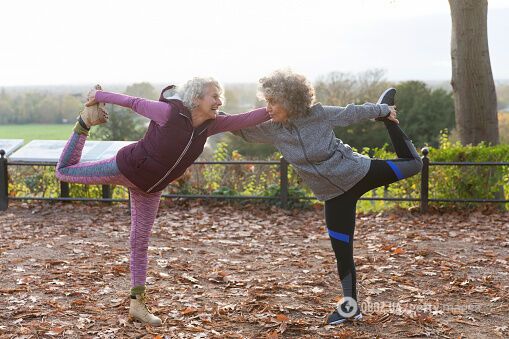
64	189
424	180
106	191
4	182
283	172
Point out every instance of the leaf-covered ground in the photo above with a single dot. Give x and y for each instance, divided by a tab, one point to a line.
249	271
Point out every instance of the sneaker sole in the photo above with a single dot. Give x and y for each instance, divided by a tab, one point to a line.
383	95
356	318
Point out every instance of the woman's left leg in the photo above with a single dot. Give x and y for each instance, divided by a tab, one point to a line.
340	220
340	214
144	208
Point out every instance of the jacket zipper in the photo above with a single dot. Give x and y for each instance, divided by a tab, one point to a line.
176	162
313	165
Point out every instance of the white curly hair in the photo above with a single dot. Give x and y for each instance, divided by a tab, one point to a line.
195	89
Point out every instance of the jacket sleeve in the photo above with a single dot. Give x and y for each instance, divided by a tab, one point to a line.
157	111
263	133
351	114
225	122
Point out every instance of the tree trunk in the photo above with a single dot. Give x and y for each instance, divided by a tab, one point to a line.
475	99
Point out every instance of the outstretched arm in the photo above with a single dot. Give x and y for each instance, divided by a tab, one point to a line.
262	133
154	110
226	122
344	116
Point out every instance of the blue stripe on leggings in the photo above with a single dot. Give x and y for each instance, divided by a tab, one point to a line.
396	170
339	236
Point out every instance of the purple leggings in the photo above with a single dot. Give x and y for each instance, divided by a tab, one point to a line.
143	205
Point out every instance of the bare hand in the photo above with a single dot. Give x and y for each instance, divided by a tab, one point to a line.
393	114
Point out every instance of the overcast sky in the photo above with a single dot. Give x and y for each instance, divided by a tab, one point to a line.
58	42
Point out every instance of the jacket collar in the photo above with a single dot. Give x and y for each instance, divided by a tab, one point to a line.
302	120
177	103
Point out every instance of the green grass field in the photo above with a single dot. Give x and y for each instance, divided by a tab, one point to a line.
36	131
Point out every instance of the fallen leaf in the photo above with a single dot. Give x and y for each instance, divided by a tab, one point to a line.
281	317
189	310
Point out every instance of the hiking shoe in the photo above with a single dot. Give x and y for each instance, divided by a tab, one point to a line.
95	114
387	97
138	310
91	95
347	310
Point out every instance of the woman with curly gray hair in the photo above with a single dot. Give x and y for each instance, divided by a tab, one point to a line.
180	123
303	132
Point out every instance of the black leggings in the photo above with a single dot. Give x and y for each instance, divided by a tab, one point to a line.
340	211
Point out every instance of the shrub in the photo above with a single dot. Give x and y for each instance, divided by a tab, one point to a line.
445	182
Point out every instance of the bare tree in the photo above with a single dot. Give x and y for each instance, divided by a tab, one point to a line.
338	88
475	99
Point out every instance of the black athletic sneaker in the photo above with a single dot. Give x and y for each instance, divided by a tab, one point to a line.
346	311
387	97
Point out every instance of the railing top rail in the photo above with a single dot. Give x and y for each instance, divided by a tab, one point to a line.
244	162
32	163
274	162
468	163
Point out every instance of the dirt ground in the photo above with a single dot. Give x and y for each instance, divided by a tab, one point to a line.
251	271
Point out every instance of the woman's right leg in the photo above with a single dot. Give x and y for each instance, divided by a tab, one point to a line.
70	169
408	162
385	172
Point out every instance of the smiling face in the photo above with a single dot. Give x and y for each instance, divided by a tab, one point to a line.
277	111
210	102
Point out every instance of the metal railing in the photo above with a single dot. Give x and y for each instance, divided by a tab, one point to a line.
424	199
284	197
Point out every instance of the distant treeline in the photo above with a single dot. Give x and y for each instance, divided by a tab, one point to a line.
424	110
38	107
56	105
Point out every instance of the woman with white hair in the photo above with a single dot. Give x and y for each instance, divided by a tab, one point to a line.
181	121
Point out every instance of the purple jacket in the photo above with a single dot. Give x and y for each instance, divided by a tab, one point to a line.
171	144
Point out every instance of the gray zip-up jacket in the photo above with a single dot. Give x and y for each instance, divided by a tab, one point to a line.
327	165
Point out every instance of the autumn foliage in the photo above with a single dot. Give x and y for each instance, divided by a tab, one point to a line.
251	271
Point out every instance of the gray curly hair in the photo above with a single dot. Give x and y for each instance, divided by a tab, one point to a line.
289	89
195	89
